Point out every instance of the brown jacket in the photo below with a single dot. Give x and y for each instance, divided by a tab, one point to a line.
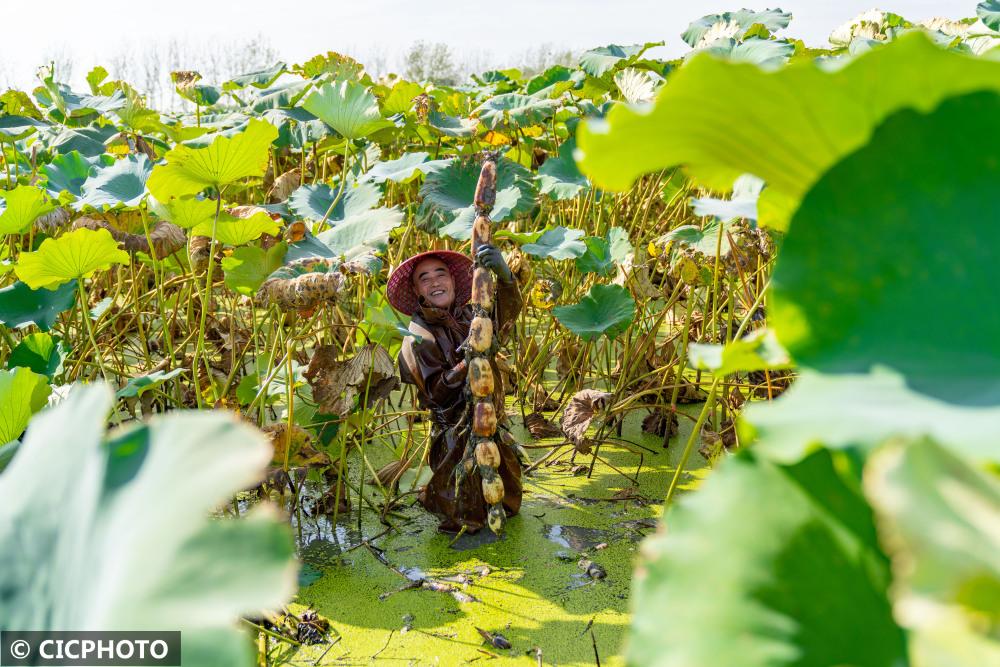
436	366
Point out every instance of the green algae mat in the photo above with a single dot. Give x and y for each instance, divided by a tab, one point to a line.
416	596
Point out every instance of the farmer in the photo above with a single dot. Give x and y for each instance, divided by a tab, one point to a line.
435	287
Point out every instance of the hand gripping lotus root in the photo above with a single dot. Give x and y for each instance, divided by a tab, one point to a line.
479	349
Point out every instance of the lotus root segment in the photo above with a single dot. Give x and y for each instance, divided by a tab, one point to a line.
480	377
492	485
484	418
486	188
480	335
487	454
480	233
482	288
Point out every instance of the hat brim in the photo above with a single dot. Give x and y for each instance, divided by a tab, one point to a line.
399	289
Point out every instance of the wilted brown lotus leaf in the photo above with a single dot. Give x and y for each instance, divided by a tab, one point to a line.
295	232
661	422
540	427
303	284
185	80
581	410
336	384
53	221
389	474
198	252
568	358
167	237
520	266
712	442
301	451
284	185
503	366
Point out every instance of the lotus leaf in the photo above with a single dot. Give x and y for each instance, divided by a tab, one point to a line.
122	532
75	255
22	206
348	107
606	310
226	160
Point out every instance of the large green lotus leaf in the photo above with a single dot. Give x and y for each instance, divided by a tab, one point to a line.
88	141
605	254
226	160
120	184
705	239
757	351
989	13
137	386
21	306
559	177
15	128
186	212
40	353
606	58
802	571
452	126
68	172
247	268
358	238
765	53
404	169
236	231
735	24
448	193
22	393
797	121
71	105
120	535
861	410
606	310
348	107
74	255
22	206
261	78
400	98
313	202
514	109
557	243
278	96
940	519
507	201
841	306
557	74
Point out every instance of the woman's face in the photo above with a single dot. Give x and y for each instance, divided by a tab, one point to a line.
432	280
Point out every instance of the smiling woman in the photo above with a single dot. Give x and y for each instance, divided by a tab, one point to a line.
435	288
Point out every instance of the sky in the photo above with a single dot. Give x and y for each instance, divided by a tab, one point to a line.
91	33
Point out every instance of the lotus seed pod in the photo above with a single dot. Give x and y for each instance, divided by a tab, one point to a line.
481	334
493	491
486	188
480	377
482	287
484	419
487	454
496	519
480	232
